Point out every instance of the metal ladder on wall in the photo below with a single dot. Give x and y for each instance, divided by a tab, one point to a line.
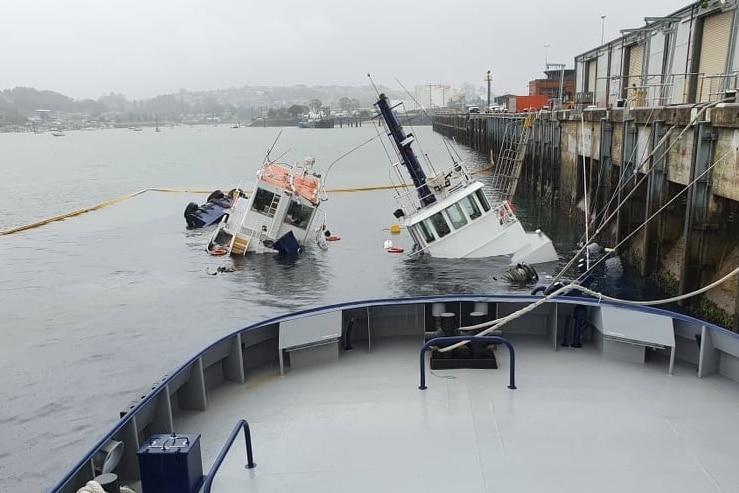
507	168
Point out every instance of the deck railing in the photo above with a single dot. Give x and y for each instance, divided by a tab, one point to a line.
250	464
446	339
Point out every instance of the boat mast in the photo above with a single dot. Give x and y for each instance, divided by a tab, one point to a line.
408	157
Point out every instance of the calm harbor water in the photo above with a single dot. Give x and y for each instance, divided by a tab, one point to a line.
98	307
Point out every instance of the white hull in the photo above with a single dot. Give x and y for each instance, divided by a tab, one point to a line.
284	202
496	232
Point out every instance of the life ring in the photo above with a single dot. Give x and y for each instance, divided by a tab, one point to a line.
218	252
394	250
510	206
333	238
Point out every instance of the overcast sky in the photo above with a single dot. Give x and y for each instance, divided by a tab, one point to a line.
141	48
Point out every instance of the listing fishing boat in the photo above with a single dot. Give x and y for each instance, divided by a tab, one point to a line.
450	215
212	211
279	216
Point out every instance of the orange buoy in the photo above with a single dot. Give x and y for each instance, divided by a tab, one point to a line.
219	251
394	250
333	238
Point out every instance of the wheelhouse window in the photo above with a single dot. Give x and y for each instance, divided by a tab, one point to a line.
483	200
265	202
427	235
456	216
469	205
298	215
440	225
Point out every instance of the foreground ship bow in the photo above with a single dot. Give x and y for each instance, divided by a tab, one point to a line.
449	215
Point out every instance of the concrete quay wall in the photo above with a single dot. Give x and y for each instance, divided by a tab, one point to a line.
662	187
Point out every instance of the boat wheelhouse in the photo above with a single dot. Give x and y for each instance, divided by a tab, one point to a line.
449	215
280	215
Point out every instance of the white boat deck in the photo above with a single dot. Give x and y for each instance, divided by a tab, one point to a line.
576	423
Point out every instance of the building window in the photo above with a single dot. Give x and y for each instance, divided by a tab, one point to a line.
456	216
440	226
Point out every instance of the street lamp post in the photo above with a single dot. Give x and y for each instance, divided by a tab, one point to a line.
602	28
488	78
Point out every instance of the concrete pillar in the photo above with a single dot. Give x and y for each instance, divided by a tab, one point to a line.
694	231
656	185
628	151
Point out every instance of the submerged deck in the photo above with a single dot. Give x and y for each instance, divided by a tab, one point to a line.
577	423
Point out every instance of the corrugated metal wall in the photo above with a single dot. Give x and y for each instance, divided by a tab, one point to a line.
679	63
614	89
656	94
592	71
713	54
636	62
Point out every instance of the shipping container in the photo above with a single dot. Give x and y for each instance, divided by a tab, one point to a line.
531	103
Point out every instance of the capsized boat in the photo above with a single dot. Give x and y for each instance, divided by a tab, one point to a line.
449	215
279	216
212	211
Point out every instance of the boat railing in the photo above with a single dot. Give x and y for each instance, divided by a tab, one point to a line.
448	181
250	464
453	339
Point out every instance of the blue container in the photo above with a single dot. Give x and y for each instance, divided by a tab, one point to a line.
171	464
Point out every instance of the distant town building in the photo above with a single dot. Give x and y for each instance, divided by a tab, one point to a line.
550	86
432	96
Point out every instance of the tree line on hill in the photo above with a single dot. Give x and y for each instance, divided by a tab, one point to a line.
20	104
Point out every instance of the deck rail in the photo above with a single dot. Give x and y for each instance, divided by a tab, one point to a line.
250	464
494	339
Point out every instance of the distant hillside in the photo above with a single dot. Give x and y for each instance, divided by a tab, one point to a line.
20	103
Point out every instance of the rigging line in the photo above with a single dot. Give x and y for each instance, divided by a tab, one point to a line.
658	211
266	158
325	178
495	324
423	110
608	219
390	159
623	179
690	124
646	171
585	190
372	82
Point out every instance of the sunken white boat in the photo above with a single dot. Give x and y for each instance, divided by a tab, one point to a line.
449	215
280	215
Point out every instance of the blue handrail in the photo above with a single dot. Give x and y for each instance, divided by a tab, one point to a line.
222	455
439	340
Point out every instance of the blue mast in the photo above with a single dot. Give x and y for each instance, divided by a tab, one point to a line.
403	144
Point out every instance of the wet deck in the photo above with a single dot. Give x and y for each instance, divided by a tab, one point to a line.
576	423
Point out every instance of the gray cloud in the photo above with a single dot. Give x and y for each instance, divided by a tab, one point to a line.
84	48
